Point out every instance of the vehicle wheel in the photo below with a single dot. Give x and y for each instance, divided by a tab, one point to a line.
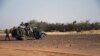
43	35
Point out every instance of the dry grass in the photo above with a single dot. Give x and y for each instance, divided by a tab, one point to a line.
74	32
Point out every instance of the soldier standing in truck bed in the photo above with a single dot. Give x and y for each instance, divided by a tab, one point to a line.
7	34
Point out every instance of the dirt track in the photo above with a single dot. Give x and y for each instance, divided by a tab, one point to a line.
53	45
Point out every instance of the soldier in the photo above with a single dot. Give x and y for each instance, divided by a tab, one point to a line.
36	33
20	34
30	32
14	32
7	34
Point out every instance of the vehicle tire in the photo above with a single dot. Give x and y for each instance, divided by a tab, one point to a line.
43	35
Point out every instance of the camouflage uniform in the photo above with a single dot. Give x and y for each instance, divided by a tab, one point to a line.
20	34
14	32
7	34
36	33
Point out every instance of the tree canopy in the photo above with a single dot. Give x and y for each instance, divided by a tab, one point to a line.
74	26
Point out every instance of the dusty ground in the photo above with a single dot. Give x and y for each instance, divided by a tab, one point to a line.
53	45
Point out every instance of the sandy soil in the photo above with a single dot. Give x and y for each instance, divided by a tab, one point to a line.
53	45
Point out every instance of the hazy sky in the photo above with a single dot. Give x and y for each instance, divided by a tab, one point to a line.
12	12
